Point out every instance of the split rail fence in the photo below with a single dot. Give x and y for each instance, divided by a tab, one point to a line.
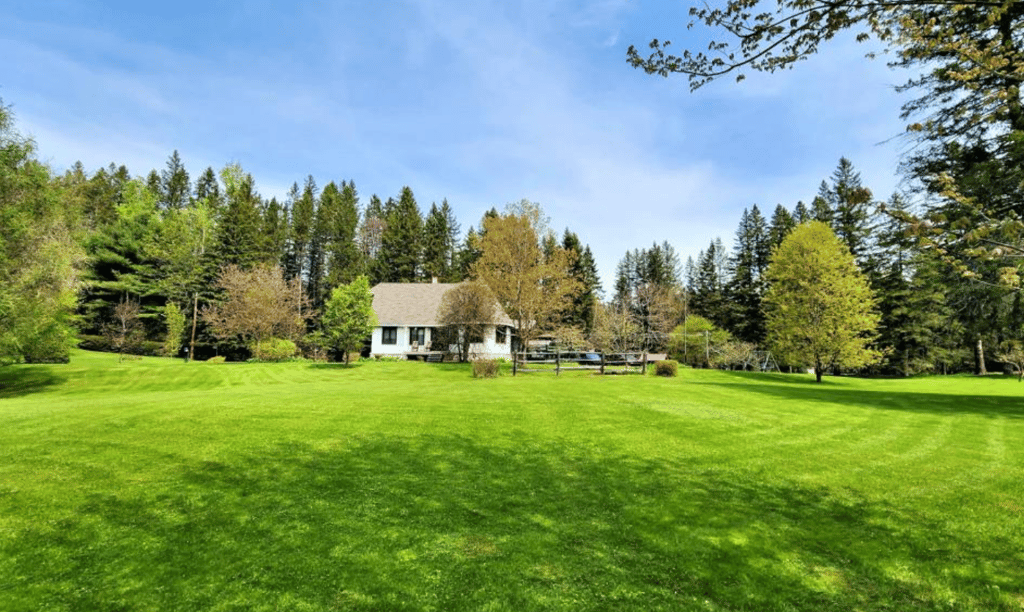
541	361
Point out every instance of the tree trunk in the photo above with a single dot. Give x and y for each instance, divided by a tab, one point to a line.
195	312
817	370
979	359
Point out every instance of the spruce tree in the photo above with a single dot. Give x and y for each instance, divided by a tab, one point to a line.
402	240
344	262
303	216
708	298
241	240
454	231
468	254
275	231
801	214
436	247
208	189
582	268
371	233
781	225
747	283
175	187
850	203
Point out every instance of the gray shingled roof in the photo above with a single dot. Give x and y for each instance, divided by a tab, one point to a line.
414	304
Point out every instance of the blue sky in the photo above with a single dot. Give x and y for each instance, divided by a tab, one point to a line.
481	102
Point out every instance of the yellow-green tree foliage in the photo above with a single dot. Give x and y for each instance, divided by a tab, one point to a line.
39	254
820	308
533	287
348	316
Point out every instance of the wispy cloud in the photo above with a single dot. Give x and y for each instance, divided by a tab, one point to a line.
480	102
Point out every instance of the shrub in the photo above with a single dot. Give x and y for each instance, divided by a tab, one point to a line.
486	368
274	349
667	367
217	359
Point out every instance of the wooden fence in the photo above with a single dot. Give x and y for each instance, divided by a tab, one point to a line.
529	361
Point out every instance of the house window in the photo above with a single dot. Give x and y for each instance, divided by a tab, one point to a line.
418	335
500	335
389	335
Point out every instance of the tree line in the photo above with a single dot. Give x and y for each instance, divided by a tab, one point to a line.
952	269
930	317
155	261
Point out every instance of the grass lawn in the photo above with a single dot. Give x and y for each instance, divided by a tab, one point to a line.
158	485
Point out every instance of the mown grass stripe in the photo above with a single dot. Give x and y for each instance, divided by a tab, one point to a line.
163	485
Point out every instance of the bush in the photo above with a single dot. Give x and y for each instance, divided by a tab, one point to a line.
667	367
217	359
486	368
274	349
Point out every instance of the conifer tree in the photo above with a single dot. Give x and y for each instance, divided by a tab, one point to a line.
708	299
821	205
371	233
801	214
208	189
344	262
402	240
175	187
850	203
275	231
437	250
781	225
468	253
582	268
241	241
454	231
303	207
747	284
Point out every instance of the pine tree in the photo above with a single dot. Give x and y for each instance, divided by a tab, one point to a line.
344	262
436	247
326	208
121	262
371	233
154	183
582	268
275	230
708	298
454	231
303	216
850	202
208	189
402	240
781	225
174	184
241	240
626	279
801	214
747	284
822	205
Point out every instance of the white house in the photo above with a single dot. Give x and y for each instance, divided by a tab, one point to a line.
407	317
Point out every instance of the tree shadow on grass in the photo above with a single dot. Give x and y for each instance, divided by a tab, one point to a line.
18	381
777	385
446	523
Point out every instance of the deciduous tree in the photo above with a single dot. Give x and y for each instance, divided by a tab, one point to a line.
465	311
259	305
348	316
533	289
820	309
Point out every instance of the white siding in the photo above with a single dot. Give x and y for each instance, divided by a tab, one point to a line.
488	349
